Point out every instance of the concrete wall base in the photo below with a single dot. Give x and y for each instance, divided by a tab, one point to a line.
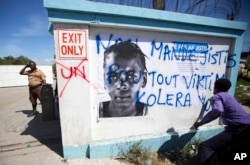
155	143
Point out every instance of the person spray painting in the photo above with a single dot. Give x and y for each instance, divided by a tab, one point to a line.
234	117
36	79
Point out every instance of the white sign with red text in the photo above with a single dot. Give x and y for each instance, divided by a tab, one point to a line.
72	44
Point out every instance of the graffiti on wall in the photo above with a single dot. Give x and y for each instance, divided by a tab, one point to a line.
178	74
135	76
71	45
69	72
125	73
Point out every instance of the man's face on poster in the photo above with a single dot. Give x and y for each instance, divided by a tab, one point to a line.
123	79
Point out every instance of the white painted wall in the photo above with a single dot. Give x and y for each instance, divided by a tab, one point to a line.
79	95
9	75
74	95
161	116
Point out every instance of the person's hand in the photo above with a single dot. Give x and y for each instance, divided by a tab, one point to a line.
27	65
196	125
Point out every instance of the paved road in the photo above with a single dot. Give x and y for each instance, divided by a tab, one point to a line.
25	140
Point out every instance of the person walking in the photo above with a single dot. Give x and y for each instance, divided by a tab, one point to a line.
36	78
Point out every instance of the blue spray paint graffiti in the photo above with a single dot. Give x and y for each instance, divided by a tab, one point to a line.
169	99
201	54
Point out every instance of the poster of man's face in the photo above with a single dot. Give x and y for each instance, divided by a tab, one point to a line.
125	73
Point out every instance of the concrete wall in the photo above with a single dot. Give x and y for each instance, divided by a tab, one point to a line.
186	54
9	75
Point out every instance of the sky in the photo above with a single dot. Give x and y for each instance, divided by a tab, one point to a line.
24	30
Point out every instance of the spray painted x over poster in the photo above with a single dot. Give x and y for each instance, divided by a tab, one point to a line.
142	72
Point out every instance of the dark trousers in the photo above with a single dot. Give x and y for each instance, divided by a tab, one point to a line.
219	144
34	94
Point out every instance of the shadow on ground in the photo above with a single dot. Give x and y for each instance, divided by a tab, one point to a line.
46	132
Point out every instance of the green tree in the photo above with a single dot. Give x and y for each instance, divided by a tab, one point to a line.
10	60
21	60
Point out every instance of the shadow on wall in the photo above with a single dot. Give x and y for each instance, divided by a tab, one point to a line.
177	140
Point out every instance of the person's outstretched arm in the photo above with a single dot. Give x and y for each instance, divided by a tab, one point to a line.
210	116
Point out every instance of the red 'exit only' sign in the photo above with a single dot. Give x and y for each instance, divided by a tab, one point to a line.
72	43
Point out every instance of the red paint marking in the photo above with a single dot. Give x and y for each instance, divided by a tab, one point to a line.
84	77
